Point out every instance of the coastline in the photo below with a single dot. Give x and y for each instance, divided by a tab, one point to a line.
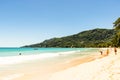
46	72
54	72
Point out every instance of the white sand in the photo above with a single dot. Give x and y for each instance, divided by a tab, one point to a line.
107	68
11	77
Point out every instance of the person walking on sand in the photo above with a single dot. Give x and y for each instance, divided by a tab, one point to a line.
115	50
107	52
101	52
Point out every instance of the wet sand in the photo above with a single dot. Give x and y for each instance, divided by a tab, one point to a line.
44	73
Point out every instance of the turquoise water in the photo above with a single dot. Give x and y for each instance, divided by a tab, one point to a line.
40	56
12	63
31	51
43	55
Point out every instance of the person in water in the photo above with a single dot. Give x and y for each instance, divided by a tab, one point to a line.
20	54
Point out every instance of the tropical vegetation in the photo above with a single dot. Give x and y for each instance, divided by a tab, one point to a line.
90	38
116	39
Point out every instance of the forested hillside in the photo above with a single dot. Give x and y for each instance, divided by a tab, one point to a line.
90	38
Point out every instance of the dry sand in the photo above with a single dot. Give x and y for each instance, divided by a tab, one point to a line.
107	68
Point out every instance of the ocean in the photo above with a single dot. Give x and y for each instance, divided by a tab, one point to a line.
19	55
13	61
5	52
14	55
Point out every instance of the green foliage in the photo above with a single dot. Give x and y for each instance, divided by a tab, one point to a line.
116	40
117	24
90	38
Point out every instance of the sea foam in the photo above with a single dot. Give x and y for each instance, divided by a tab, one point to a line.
23	58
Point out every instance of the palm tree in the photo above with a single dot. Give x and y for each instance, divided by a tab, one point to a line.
117	24
116	40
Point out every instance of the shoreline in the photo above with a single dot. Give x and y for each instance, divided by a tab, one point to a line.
103	68
23	58
9	60
47	72
29	73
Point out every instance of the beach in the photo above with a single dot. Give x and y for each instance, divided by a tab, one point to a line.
44	73
92	67
106	68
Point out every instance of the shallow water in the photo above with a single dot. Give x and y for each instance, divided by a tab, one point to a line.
36	60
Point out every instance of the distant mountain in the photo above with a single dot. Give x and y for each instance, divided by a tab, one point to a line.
89	38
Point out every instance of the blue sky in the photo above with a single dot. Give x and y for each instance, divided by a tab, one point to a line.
25	22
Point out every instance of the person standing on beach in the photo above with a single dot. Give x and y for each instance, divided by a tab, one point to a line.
107	52
101	52
115	50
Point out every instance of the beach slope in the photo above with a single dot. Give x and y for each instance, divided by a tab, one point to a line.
107	68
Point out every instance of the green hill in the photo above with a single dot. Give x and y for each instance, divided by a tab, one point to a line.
90	38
